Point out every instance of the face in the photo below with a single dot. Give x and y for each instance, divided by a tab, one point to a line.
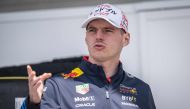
104	41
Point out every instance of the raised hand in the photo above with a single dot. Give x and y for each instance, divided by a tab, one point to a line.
36	84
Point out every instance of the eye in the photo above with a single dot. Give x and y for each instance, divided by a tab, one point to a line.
90	30
108	30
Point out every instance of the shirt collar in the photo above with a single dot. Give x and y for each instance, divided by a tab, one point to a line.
97	74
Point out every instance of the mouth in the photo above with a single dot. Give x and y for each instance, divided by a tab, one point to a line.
99	46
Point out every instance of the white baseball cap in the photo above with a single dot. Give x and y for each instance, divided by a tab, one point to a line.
109	13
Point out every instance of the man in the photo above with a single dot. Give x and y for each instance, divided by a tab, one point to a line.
99	82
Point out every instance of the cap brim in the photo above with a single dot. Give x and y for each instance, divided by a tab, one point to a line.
85	23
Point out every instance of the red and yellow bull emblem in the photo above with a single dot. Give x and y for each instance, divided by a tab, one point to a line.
73	74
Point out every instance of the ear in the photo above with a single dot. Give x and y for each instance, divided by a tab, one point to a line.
126	39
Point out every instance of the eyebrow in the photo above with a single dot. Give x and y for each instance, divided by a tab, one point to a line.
112	28
107	27
89	27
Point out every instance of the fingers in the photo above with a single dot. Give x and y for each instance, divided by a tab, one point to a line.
35	81
31	73
45	76
32	76
37	85
29	70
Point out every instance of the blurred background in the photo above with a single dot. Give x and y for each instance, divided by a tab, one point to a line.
34	31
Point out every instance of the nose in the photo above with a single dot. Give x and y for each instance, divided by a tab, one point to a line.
99	34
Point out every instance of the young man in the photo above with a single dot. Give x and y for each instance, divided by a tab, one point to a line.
99	82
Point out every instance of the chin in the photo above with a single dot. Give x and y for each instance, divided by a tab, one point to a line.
99	58
98	55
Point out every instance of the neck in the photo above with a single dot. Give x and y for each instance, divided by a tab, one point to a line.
109	66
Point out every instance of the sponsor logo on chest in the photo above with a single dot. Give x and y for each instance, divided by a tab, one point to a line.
129	101
88	101
82	89
128	90
84	101
128	96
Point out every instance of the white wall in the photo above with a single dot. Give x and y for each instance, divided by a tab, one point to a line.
158	52
36	36
165	53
